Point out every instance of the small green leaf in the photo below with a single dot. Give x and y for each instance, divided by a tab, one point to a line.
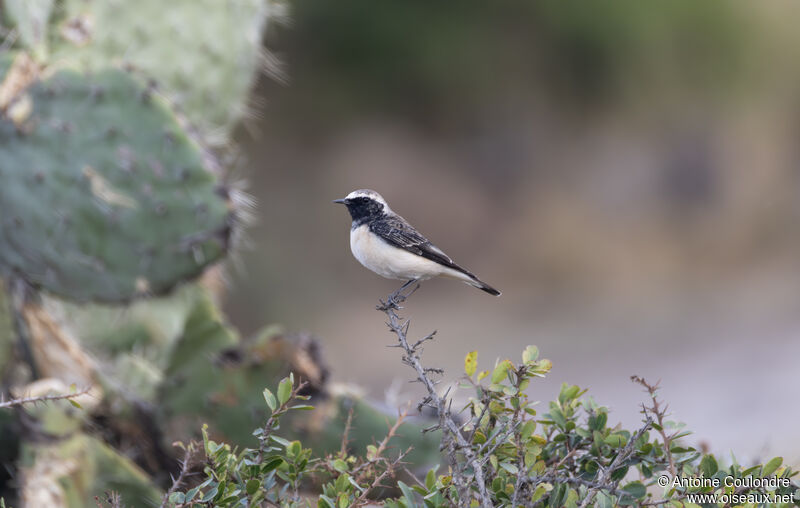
407	493
619	474
211	494
633	492
527	429
340	465
280	440
191	494
74	403
635	489
615	440
543	366
538	493
252	486
603	500
284	390
482	374
530	355
430	479
772	466
708	466
511	468
294	448
598	421
325	502
568	393
500	371
471	363
270	398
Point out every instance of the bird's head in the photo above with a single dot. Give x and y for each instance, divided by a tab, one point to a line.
364	204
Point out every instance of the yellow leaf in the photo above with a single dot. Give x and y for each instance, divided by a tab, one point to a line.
471	363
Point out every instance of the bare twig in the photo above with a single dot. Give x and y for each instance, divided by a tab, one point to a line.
516	422
378	481
346	433
186	465
452	439
383	445
42	398
369	468
659	412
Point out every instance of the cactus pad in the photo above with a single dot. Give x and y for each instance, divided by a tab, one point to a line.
204	53
30	19
104	196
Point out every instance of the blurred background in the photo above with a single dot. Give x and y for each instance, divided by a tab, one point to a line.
628	174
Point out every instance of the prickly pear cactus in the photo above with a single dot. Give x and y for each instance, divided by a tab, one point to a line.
64	467
177	355
7	334
103	195
206	58
30	17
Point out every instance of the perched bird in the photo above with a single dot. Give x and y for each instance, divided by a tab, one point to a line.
388	245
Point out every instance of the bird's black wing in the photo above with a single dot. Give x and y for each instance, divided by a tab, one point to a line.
398	232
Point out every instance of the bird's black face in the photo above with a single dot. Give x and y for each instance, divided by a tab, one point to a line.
362	208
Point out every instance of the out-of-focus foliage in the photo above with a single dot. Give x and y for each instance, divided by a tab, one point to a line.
427	61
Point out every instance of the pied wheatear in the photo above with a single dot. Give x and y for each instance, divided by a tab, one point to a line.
388	245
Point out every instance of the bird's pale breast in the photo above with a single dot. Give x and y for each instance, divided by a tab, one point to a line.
387	260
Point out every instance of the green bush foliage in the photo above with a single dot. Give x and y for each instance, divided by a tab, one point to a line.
566	454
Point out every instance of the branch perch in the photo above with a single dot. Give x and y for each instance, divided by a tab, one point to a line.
453	441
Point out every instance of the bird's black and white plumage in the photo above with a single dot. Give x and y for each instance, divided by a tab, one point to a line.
388	245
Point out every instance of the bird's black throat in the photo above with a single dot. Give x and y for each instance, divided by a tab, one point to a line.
363	210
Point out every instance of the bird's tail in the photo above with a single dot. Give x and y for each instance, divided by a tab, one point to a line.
464	275
483	286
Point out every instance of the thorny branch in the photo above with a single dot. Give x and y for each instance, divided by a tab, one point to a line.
42	398
346	434
186	465
391	467
659	412
452	439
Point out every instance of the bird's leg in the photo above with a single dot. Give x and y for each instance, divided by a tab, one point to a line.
399	296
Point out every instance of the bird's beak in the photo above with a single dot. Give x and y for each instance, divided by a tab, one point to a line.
340	201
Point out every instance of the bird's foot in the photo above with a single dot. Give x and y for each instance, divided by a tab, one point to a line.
396	298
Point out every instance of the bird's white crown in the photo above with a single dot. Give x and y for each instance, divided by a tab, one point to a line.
371	194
